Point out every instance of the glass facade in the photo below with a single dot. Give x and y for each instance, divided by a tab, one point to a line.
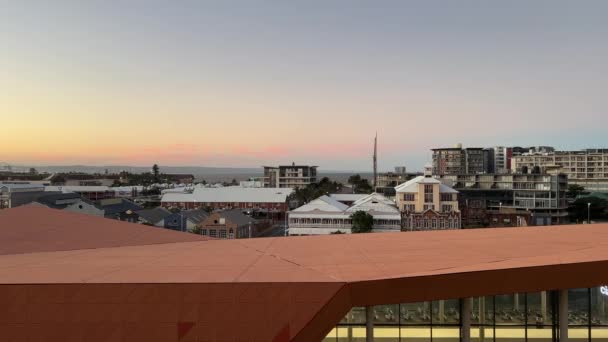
519	317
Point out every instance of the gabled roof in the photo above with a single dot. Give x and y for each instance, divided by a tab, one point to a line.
411	186
153	215
236	216
347	197
322	204
58	200
374	203
118	205
195	216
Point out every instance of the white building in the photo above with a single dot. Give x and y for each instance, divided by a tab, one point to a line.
326	215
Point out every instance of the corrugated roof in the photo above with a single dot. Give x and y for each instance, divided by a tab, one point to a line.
412	185
322	204
153	215
231	194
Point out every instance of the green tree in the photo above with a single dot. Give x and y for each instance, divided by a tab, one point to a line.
156	173
197	230
336	232
574	190
308	193
360	185
33	171
362	222
580	209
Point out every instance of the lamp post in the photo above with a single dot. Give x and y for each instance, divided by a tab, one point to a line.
589	213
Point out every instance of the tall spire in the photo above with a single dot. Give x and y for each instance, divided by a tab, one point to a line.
375	160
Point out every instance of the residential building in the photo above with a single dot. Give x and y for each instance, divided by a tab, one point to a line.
456	160
71	202
227	224
510	199
289	176
14	195
92	193
387	181
535	199
325	215
271	202
153	216
427	204
502	285
120	209
587	168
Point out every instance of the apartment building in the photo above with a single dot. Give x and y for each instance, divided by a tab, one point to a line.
427	204
457	160
289	176
14	195
587	168
510	199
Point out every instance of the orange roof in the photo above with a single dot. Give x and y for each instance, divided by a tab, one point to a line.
290	288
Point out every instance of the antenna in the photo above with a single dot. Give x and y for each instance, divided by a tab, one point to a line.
375	160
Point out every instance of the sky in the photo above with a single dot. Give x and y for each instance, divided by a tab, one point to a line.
250	83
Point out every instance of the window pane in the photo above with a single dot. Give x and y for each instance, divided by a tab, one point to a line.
483	311
446	311
510	333
510	309
351	333
599	306
599	334
356	315
415	313
539	309
386	314
578	307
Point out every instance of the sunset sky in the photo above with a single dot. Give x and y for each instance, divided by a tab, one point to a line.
247	83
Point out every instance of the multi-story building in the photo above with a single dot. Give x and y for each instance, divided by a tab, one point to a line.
456	160
90	192
227	224
325	215
510	199
587	168
427	204
289	176
387	181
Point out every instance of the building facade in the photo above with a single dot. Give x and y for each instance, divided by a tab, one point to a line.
14	195
271	202
228	224
511	199
326	215
427	204
289	176
587	168
455	160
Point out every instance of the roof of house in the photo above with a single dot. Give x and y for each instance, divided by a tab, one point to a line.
236	216
31	229
347	197
231	194
54	253
118	205
412	185
322	204
58	200
77	188
12	187
375	204
195	216
153	215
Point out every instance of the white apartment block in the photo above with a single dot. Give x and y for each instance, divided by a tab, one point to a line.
588	168
289	176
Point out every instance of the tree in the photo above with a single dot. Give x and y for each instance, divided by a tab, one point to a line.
33	171
155	173
337	232
197	230
574	190
234	182
311	191
360	185
580	209
362	222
